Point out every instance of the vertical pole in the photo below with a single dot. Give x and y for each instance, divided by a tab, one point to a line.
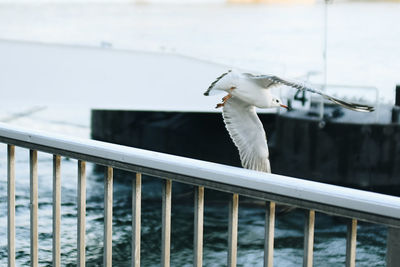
393	247
34	207
325	58
56	210
269	234
309	238
81	213
396	107
198	225
397	99
233	230
136	218
108	208
166	223
11	204
351	243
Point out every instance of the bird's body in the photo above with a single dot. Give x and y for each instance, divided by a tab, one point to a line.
244	89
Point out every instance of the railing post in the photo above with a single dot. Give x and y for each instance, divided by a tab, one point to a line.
81	213
108	209
269	234
309	238
198	226
393	247
166	223
136	218
56	210
351	243
11	204
34	207
233	230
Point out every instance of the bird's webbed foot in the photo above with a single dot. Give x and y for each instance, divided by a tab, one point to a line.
224	99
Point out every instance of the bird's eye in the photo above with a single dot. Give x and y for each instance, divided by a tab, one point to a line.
277	101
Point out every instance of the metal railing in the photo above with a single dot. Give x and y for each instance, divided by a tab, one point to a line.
312	196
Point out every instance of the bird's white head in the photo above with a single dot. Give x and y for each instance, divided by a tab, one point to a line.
276	102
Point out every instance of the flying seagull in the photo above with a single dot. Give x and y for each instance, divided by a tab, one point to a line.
245	92
253	89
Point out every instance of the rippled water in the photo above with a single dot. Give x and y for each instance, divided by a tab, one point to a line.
330	232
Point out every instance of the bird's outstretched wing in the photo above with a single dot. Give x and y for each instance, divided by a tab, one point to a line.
247	132
266	81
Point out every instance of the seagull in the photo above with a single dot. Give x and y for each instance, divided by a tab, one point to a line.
254	89
246	92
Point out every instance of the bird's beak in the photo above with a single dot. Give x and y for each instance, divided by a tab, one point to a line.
284	106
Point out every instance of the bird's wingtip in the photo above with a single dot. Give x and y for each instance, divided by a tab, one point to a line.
371	109
353	106
365	108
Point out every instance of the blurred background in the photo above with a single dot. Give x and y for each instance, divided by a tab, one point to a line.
60	59
282	37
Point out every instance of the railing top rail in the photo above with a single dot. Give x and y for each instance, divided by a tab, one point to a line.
326	198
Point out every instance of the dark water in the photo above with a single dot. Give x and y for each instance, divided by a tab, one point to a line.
330	232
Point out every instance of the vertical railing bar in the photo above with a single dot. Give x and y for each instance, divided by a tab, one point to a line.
56	210
309	238
11	204
81	260
393	247
269	234
166	223
233	230
136	218
198	226
108	208
351	243
33	207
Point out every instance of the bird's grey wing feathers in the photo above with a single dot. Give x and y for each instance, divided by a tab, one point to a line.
267	81
261	80
247	132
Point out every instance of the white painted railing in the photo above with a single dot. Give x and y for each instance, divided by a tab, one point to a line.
312	196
